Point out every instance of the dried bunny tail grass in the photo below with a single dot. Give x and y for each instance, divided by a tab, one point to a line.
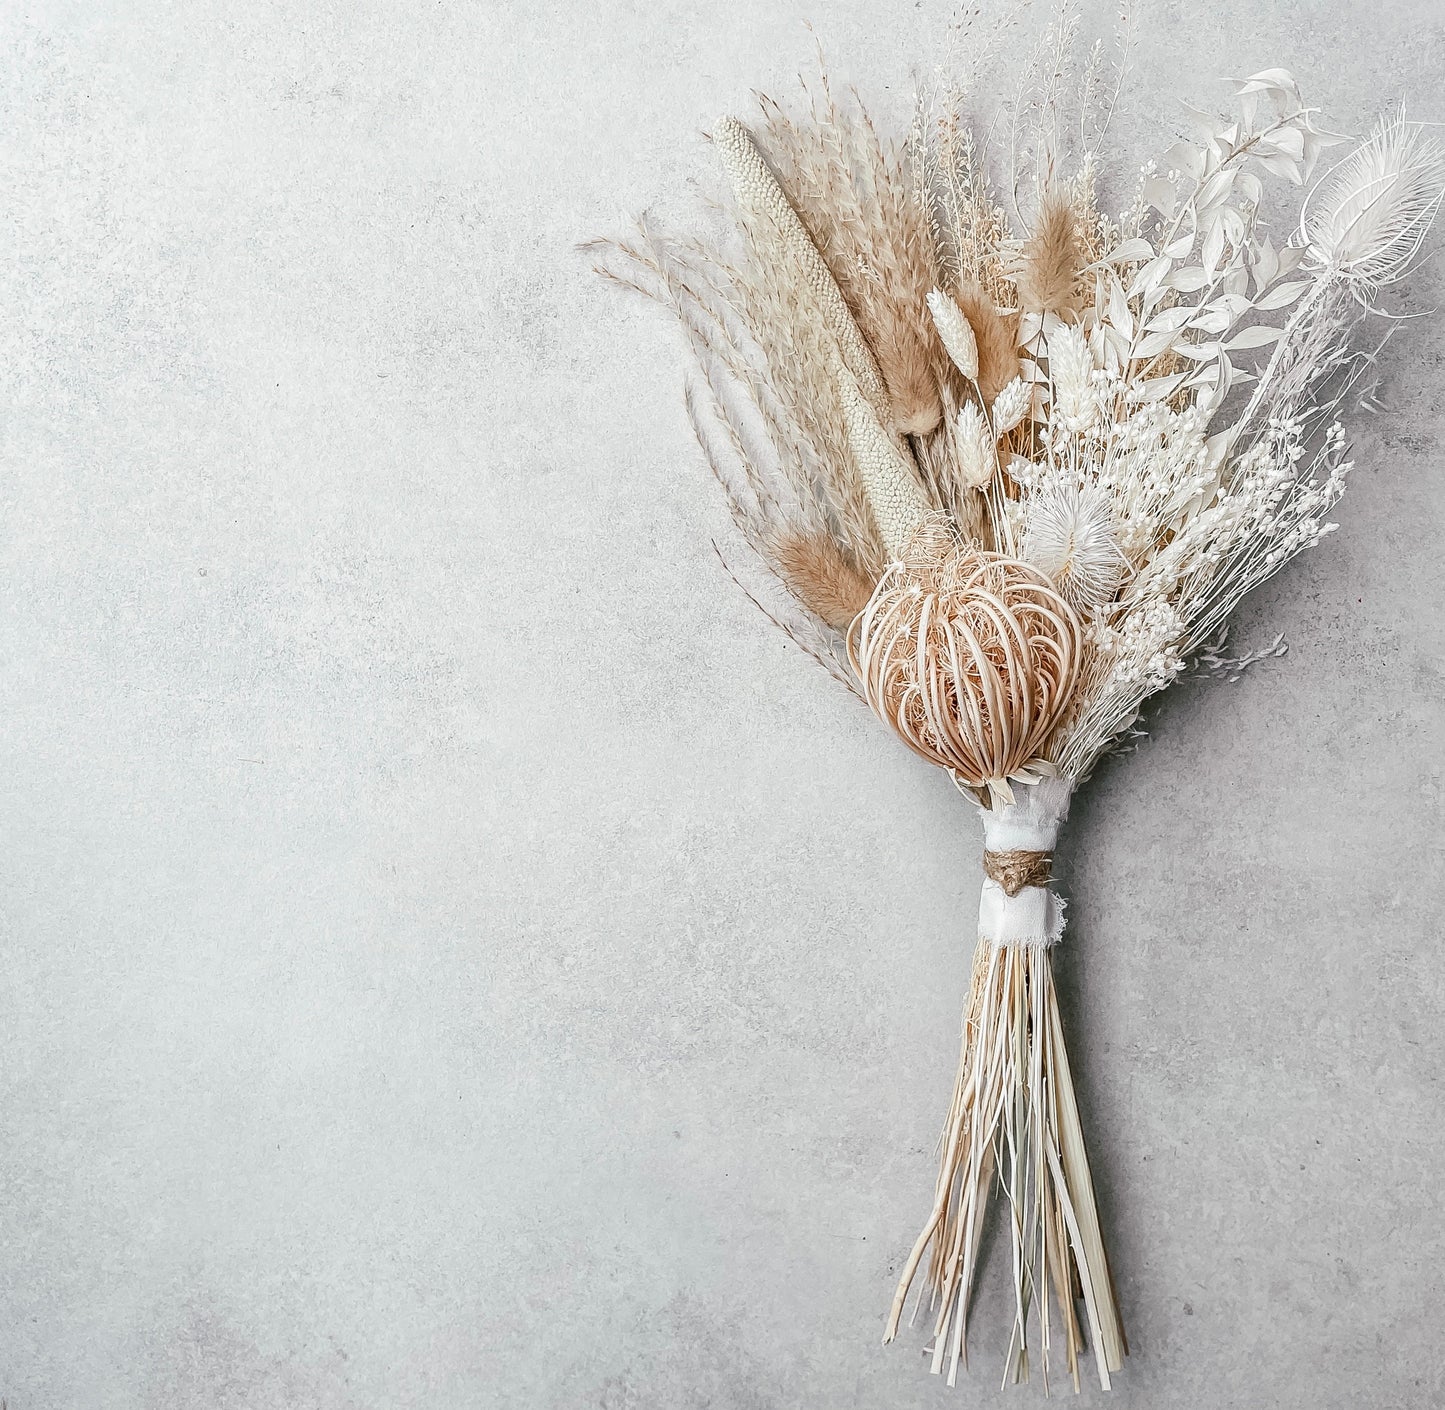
956	333
969	657
1050	266
860	202
822	577
995	337
938	467
1014	1112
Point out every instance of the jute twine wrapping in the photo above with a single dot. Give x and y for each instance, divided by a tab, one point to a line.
1013	870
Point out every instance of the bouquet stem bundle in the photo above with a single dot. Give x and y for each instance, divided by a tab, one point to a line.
1014	1112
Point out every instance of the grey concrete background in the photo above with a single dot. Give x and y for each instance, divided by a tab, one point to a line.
455	953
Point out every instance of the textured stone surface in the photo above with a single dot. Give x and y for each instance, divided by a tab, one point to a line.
455	952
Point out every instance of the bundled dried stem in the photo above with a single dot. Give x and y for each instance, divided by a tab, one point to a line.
1014	1114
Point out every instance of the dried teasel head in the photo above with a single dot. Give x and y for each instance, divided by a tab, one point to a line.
1069	535
970	657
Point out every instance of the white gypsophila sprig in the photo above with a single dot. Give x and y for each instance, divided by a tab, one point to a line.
1365	222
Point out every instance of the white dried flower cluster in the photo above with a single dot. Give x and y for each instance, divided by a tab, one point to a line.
1155	494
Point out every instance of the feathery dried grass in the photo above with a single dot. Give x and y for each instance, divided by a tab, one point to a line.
1049	270
860	201
996	335
821	576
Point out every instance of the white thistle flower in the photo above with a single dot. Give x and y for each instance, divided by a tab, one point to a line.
1071	368
955	332
1011	405
1069	534
977	458
1366	220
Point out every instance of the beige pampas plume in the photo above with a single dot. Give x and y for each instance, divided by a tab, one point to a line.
996	337
821	576
762	202
891	483
1051	263
857	198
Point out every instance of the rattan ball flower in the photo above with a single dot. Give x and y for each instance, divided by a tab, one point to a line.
969	656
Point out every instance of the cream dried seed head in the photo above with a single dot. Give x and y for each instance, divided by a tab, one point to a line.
977	456
1071	369
1011	406
894	493
955	332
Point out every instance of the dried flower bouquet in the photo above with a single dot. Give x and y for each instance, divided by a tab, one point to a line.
1014	463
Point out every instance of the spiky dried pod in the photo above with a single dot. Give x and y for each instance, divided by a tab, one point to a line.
971	659
1050	268
996	338
956	333
889	479
822	577
1069	534
761	201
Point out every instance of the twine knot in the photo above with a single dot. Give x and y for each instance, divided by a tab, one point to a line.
1015	869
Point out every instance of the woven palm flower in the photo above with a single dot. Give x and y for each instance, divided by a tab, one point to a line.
969	656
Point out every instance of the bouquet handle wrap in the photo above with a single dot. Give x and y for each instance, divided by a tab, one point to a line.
1014	1119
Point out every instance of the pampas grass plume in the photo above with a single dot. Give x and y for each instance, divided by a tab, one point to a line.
1052	260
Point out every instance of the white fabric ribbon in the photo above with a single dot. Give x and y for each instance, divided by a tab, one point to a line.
1035	917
